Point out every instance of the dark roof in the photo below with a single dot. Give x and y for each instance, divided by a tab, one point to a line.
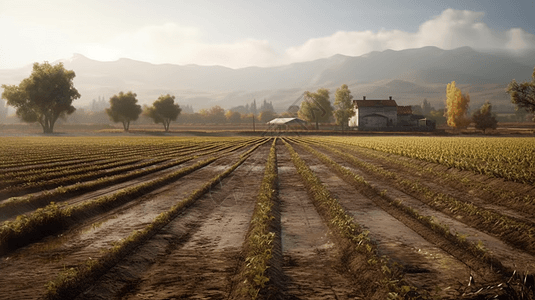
404	110
373	103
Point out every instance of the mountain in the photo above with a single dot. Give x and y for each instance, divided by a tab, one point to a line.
407	75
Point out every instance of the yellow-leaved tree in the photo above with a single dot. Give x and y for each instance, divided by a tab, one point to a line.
457	106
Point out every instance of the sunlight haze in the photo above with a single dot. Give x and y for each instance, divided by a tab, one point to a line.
239	34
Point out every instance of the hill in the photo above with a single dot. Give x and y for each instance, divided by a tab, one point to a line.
408	75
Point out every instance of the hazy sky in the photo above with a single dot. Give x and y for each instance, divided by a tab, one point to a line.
244	33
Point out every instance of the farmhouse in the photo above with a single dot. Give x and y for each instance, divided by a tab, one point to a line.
386	115
371	114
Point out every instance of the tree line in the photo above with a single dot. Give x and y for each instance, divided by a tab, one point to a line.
47	95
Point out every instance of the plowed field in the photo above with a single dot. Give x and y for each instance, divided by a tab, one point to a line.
242	218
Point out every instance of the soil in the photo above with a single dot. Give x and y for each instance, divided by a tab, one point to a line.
507	254
199	254
9	214
55	253
311	265
427	266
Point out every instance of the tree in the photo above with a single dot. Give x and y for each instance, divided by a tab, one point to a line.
316	107
438	116
456	106
124	109
43	97
343	105
233	116
215	114
523	94
484	118
266	106
3	110
266	116
426	107
164	110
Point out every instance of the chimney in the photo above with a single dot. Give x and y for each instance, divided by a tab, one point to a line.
390	98
363	97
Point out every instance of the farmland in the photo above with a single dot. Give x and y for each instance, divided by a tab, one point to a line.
257	217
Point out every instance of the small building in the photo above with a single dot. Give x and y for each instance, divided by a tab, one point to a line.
374	114
285	123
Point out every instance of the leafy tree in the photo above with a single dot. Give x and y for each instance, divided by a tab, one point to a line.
457	106
191	118
164	110
247	118
523	94
484	118
343	106
43	97
215	114
233	116
124	109
316	107
266	116
438	116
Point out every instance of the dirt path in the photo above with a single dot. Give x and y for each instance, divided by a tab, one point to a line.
426	266
89	238
198	253
506	254
311	268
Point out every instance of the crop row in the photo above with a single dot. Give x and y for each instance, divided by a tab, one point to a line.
73	175
383	200
52	218
262	231
515	232
509	158
28	179
20	153
76	162
498	194
90	154
354	242
72	281
17	205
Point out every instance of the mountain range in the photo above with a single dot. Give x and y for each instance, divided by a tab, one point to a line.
408	76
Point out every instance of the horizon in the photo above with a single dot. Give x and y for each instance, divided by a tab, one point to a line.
74	56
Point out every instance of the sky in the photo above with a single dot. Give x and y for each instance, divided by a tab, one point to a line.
244	33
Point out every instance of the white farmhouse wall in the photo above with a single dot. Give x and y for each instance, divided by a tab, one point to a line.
354	120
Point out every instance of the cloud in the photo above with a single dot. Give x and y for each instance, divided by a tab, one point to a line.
177	44
183	45
451	29
171	43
